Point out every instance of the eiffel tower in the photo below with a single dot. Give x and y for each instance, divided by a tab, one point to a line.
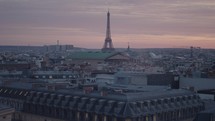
108	45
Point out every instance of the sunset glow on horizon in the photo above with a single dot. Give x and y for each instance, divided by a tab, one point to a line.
142	23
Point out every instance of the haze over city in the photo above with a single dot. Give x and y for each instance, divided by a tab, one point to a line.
107	60
142	23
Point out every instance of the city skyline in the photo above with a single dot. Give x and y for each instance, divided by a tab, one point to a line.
142	23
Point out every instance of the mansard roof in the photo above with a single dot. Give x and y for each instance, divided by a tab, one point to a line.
123	104
90	55
98	56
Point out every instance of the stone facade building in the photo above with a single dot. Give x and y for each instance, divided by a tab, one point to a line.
6	113
112	103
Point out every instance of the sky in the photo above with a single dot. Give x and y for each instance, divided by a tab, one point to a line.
142	23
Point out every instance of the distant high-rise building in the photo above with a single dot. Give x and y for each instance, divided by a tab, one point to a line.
58	48
108	45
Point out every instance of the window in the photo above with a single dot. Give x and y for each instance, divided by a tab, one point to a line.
20	93
26	93
10	91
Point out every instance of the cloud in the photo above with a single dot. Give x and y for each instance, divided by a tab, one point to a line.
85	20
